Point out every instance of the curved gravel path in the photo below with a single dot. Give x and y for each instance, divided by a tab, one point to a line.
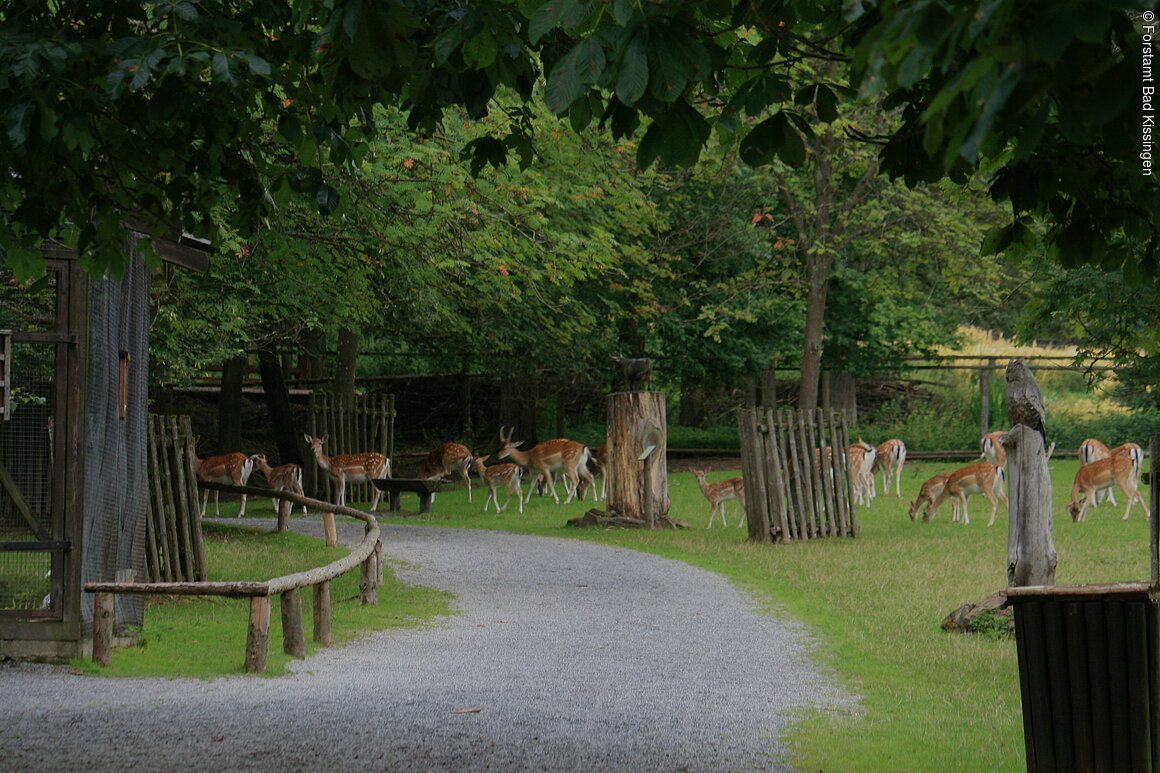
565	656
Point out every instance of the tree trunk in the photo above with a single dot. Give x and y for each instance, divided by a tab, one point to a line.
819	278
692	410
344	372
230	405
846	396
637	488
291	447
1031	556
519	400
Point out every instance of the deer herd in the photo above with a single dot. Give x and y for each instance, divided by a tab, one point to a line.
1102	469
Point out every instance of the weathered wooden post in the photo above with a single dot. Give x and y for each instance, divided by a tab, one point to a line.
293	639
258	637
322	613
1031	556
103	604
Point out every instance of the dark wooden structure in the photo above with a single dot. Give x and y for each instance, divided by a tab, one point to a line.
394	488
73	486
796	478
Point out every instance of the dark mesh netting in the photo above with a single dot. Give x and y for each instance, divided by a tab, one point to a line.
26	476
116	483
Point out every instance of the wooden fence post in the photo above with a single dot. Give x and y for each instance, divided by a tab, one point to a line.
103	604
322	613
258	638
1031	556
293	639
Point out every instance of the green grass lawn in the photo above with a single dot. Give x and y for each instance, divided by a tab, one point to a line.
931	700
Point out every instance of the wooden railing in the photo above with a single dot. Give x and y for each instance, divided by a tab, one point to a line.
367	554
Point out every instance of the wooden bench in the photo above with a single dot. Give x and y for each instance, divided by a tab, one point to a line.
394	487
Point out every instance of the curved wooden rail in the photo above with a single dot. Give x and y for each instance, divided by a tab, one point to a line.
366	554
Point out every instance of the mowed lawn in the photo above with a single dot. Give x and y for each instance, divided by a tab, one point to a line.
930	700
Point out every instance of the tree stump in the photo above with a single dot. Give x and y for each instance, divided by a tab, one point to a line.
637	468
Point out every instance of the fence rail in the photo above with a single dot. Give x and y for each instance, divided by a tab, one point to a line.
797	483
366	554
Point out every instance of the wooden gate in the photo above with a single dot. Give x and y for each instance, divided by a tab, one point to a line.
796	488
174	548
369	426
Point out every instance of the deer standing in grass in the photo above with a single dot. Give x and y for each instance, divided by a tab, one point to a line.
557	455
931	488
284	477
719	493
889	457
1103	474
507	475
232	469
860	458
982	478
445	459
351	468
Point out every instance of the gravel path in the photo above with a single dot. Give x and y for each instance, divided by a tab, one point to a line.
565	656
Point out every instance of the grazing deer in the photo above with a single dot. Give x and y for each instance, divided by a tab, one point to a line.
566	456
353	468
1092	450
982	478
992	447
931	488
233	469
889	458
720	492
860	456
599	459
507	474
1102	474
446	458
284	477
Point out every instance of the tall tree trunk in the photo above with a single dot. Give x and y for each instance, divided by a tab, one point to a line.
692	408
344	373
230	405
819	277
291	447
519	408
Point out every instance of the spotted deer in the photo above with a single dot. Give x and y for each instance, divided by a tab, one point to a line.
231	469
889	457
719	493
351	468
507	475
557	455
982	478
1103	474
284	477
930	489
444	460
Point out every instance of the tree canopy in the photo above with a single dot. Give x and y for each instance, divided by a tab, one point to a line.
169	110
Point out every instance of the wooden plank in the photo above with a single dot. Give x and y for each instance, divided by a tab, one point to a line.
258	635
795	476
1079	682
184	517
806	454
775	478
1055	641
189	493
154	571
1135	666
1100	695
1121	737
1037	707
172	531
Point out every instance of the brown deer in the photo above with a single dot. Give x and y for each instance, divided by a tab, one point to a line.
284	477
1103	474
720	492
506	474
931	488
445	459
353	468
232	469
562	455
860	456
889	457
982	478
992	448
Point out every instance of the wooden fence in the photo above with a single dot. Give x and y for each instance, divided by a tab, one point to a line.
793	491
367	554
173	542
368	426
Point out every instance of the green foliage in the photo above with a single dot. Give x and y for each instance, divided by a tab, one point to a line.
991	625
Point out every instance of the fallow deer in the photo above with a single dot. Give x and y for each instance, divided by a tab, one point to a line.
1103	474
507	475
562	455
445	459
719	492
233	469
351	468
284	477
889	457
982	478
